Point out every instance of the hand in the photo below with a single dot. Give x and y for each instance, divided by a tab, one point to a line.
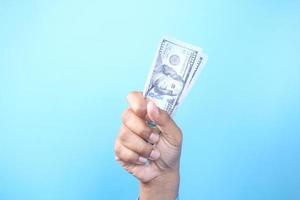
152	155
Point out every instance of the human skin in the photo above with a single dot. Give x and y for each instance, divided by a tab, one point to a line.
152	155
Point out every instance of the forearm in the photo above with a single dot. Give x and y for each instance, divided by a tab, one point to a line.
161	188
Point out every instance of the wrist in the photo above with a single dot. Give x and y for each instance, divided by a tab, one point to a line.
163	187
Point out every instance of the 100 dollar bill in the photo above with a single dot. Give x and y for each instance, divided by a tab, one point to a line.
175	69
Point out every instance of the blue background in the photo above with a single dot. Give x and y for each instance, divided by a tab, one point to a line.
67	66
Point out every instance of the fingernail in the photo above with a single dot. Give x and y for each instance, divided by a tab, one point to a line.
154	154
143	160
154	137
153	108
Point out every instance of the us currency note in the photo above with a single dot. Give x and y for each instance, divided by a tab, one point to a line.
176	67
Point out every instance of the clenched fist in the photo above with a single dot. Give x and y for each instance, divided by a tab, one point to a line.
152	155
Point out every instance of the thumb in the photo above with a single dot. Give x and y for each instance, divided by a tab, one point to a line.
164	123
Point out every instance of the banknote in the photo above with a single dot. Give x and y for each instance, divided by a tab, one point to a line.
175	68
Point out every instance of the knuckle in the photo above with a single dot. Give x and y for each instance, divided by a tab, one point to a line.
126	115
117	148
117	158
123	136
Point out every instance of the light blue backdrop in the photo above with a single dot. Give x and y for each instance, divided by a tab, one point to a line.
65	70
